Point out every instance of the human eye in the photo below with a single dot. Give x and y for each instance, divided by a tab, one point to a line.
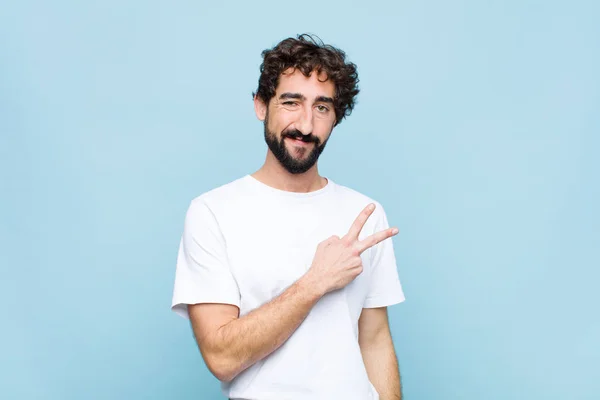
322	109
289	103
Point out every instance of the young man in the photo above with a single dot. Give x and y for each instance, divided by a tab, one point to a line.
284	274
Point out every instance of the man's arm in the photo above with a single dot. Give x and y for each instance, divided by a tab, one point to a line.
378	353
230	344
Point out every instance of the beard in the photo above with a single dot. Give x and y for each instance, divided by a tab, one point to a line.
299	162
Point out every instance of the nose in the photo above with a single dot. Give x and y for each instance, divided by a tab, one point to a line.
305	121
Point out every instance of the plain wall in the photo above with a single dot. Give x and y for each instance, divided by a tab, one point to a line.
477	128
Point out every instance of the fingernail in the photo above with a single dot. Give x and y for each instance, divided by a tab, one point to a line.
394	231
371	207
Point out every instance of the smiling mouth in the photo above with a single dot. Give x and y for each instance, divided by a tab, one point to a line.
298	139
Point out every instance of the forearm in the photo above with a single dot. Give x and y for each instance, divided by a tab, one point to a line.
246	340
382	367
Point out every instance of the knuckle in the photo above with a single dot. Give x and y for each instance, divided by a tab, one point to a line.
328	241
357	270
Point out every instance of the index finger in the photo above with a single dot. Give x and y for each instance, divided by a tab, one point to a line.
359	222
376	238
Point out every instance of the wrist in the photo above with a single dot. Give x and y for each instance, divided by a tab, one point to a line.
313	288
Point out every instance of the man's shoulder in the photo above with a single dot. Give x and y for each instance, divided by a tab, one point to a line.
354	196
224	194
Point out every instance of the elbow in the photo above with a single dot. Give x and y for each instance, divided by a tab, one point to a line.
223	368
224	375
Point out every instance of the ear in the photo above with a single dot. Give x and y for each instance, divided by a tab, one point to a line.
260	108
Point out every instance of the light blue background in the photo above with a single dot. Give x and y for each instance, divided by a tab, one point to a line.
477	127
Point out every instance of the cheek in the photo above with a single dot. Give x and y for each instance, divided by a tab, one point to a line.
279	122
322	130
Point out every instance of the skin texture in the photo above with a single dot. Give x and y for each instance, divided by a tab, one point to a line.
378	353
230	344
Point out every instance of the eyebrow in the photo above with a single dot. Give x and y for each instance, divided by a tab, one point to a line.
300	96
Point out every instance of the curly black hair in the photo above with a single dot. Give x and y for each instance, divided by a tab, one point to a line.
308	53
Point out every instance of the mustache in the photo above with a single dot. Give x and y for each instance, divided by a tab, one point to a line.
296	134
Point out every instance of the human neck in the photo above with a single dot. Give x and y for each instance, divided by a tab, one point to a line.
273	174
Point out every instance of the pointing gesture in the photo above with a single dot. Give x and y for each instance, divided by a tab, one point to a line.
337	260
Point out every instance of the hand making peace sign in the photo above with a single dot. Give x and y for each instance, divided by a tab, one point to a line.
337	260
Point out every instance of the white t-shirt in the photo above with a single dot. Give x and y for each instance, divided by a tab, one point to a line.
245	242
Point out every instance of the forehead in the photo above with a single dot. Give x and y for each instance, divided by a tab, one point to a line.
312	86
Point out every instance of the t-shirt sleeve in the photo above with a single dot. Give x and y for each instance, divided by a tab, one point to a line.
202	272
385	288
